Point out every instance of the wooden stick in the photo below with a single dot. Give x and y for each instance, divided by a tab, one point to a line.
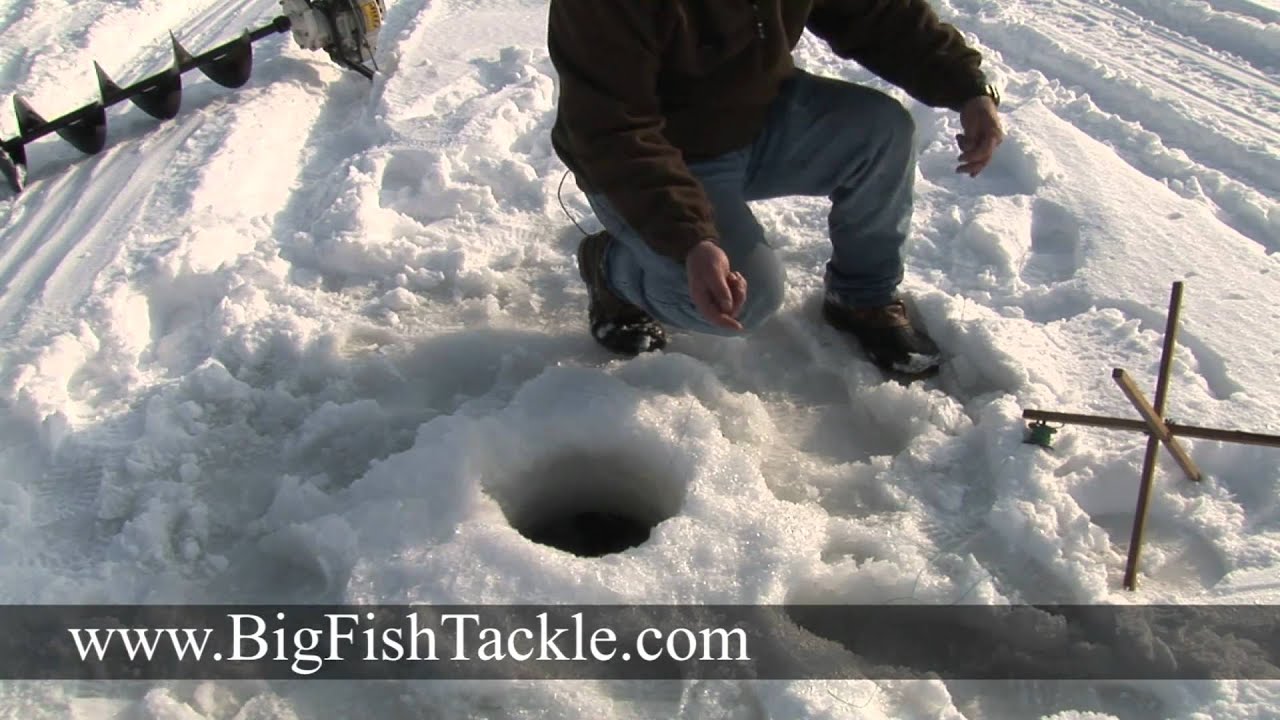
1166	352
1153	447
1155	423
1177	429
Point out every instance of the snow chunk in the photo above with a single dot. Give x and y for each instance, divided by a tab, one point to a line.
160	704
400	300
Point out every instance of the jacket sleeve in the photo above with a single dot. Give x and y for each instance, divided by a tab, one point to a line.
904	42
607	54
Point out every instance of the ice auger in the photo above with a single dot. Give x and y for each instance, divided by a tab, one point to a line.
345	29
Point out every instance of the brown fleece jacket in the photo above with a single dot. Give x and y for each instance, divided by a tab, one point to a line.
647	84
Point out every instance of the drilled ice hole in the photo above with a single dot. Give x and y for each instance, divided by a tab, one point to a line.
590	503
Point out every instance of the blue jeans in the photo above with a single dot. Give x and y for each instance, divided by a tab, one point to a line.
828	137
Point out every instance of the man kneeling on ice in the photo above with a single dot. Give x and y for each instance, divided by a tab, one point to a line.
673	114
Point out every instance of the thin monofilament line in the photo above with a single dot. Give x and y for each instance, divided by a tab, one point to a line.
560	197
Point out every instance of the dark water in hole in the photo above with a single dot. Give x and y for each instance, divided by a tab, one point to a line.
589	534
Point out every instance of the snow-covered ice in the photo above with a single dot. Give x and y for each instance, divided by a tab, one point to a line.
321	340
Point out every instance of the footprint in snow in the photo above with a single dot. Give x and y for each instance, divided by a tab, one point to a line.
1055	244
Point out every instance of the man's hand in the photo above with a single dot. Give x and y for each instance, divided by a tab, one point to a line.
982	135
717	291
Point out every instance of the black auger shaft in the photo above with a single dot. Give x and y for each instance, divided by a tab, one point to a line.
160	96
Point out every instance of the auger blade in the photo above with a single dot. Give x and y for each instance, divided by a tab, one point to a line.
182	60
13	164
85	128
163	101
231	64
88	134
29	121
107	87
159	96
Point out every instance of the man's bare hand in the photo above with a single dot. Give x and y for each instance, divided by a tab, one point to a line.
717	291
982	135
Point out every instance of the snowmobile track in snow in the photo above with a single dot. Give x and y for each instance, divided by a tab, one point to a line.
1195	100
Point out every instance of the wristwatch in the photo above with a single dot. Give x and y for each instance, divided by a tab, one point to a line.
990	91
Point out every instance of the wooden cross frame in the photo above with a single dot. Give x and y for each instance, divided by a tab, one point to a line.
1155	426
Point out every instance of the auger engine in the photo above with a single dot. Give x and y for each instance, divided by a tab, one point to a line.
346	29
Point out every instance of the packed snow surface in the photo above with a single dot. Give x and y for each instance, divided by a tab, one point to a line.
323	340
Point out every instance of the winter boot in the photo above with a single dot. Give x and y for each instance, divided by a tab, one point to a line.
888	337
616	324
